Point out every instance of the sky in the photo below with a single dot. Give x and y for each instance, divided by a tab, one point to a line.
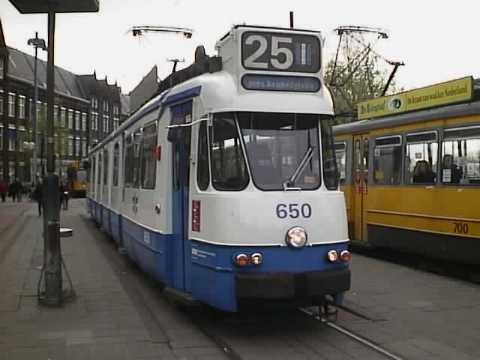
436	40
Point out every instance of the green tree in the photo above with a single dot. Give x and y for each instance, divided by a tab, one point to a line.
355	74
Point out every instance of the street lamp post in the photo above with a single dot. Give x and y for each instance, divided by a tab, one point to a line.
52	267
36	42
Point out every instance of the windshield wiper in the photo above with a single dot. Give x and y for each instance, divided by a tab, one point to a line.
287	184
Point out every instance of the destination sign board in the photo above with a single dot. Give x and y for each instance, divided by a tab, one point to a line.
436	95
285	52
280	83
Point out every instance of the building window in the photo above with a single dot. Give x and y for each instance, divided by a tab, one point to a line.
94	121
11	104
1	101
62	116
77	120
20	139
11	140
84	121
105	123
21	107
94	103
71	119
55	115
84	147
77	147
70	147
116	111
116	123
105	106
1	67
1	139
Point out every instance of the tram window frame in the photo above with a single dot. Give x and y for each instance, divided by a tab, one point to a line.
105	166
417	138
241	163
116	163
380	143
328	159
148	174
100	165
203	161
129	160
341	180
137	150
462	134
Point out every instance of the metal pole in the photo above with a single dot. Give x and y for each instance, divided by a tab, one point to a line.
291	19
52	251
34	115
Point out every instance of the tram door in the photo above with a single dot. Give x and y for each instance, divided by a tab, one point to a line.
360	186
180	138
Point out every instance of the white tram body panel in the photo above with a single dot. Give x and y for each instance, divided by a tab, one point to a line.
238	202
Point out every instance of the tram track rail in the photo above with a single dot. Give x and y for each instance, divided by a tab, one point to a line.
352	335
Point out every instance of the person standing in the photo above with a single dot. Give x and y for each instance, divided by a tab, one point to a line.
38	197
3	190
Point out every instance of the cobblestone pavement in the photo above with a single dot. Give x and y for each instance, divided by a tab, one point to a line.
121	314
103	322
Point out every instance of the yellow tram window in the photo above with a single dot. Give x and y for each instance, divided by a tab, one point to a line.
387	165
341	156
461	156
421	158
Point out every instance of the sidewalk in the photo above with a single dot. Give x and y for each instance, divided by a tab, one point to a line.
416	314
10	211
116	314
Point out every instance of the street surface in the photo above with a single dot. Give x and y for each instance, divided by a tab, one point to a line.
119	313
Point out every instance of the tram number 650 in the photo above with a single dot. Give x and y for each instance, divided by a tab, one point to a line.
460	227
294	211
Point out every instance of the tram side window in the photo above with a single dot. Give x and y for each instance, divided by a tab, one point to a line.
116	159
229	171
92	173
461	156
330	172
148	161
203	175
341	156
421	158
99	175
387	167
105	167
129	162
137	142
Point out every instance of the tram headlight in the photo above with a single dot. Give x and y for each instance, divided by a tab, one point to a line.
256	258
296	237
332	256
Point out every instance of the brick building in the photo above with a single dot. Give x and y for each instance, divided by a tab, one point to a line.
86	109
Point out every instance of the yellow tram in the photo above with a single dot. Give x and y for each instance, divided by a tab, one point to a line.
410	171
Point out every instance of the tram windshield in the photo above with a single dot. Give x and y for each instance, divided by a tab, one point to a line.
282	149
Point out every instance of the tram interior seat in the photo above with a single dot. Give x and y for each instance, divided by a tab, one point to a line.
422	173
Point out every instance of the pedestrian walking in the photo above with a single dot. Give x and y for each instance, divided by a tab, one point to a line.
38	197
3	190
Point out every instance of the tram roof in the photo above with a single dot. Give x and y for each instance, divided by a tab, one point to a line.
440	113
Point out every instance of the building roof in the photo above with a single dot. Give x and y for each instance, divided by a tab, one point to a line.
21	66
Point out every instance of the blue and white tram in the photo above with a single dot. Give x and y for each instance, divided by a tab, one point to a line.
224	187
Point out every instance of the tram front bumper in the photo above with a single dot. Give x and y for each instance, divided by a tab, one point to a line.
292	285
